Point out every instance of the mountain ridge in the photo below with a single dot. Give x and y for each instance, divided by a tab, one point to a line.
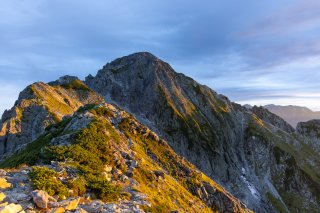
293	114
250	152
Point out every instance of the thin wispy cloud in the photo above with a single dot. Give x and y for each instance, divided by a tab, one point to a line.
249	50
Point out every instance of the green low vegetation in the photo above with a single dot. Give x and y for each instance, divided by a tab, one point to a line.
76	84
46	179
89	153
173	193
33	152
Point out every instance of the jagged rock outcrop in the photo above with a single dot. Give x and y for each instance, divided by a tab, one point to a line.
38	106
310	128
253	158
273	119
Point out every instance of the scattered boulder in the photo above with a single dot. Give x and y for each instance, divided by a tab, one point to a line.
11	208
3	172
4	184
57	210
3	204
2	196
40	198
70	204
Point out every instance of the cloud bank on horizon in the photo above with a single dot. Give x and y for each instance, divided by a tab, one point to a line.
252	51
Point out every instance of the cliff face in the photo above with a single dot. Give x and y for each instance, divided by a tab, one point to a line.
38	106
255	158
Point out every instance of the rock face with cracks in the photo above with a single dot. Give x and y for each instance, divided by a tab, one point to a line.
249	151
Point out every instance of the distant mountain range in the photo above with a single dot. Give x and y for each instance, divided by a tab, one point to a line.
293	114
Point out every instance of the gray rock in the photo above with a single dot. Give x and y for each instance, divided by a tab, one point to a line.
40	198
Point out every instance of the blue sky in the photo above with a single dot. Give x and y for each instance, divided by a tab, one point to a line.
255	52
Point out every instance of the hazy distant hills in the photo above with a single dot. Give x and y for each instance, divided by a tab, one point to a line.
293	114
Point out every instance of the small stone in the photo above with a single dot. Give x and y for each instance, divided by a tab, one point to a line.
134	163
71	204
111	207
40	198
11	208
3	172
107	168
2	196
4	184
129	174
3	204
106	176
94	206
80	211
57	210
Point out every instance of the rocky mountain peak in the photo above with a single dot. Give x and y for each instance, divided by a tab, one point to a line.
66	79
38	106
138	66
232	144
140	57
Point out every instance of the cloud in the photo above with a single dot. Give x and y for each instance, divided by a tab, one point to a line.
231	46
300	16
